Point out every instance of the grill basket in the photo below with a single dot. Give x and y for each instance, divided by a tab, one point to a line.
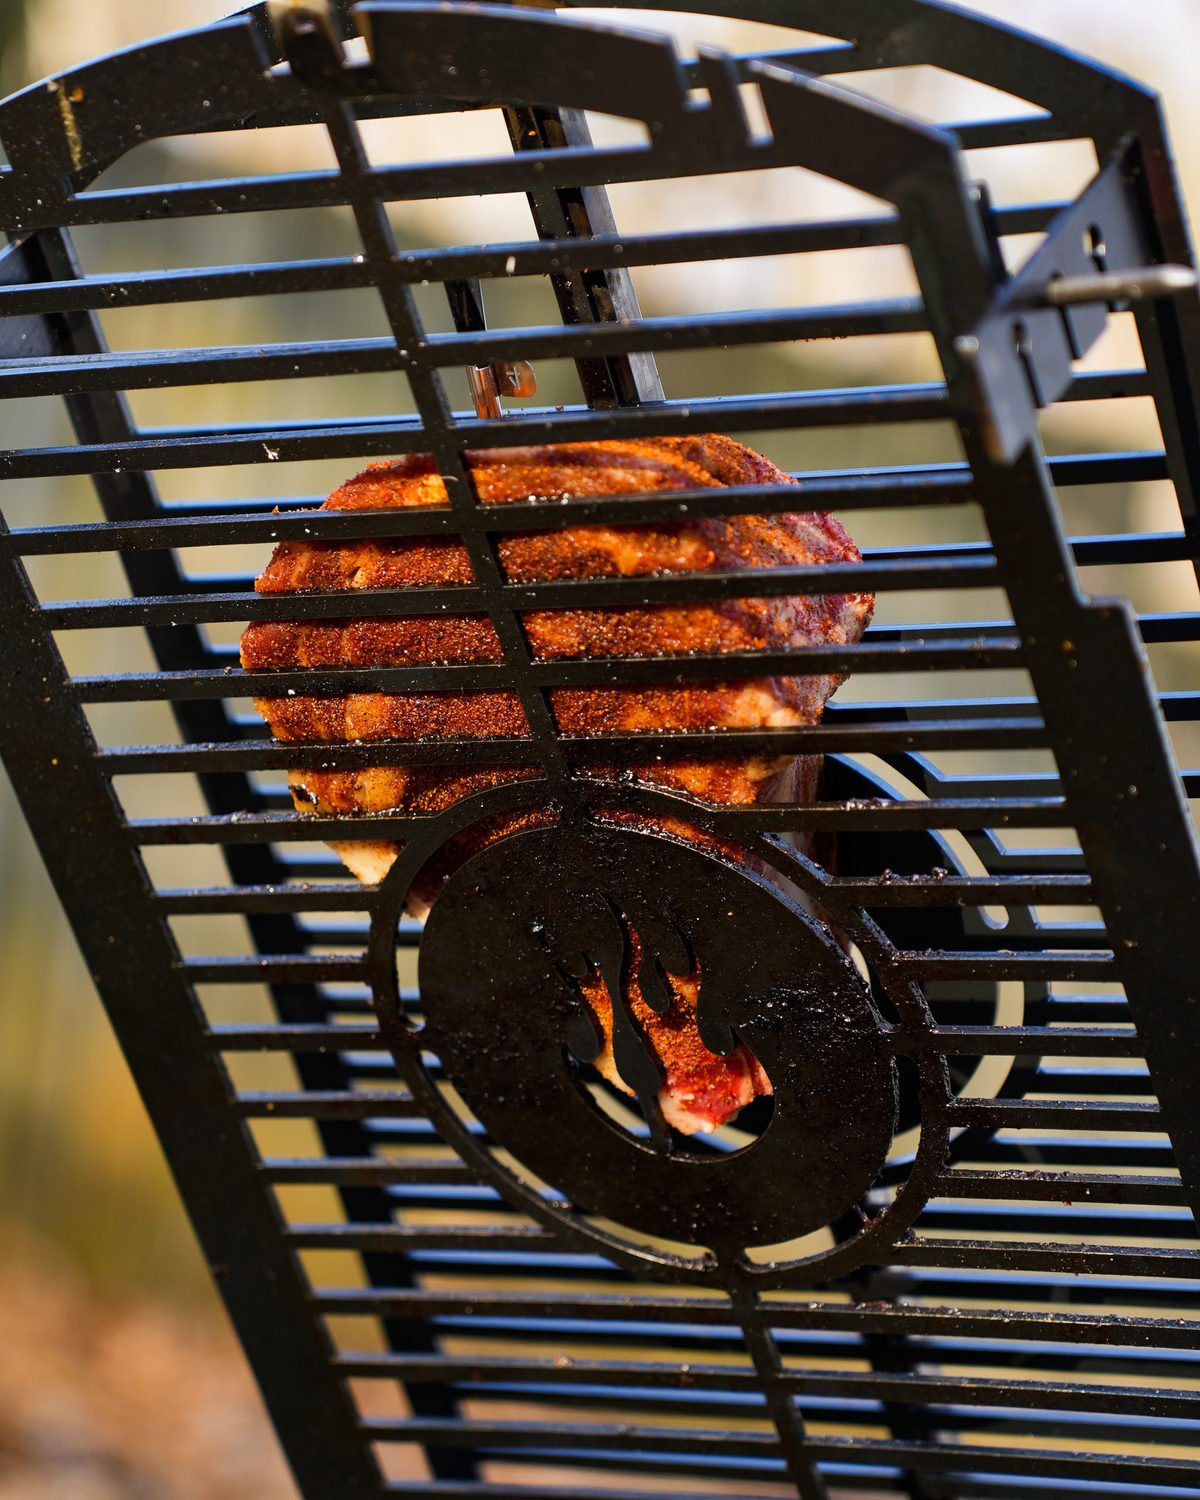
445	1291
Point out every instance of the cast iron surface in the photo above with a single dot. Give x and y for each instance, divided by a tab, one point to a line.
954	1255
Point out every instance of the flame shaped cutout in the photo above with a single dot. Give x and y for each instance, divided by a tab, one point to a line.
642	1022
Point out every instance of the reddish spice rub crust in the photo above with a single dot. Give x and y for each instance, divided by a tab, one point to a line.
699	1090
510	476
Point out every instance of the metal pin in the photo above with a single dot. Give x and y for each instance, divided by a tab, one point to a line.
1138	285
482	381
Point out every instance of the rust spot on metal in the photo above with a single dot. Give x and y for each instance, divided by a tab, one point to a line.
66	108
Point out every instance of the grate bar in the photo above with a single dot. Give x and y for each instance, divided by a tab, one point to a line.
687	588
1006	965
944	656
1039	1463
302	827
999	1255
324	1104
818	493
600	251
499	1490
946	734
1022	1041
599	1438
953	890
245	899
190	448
272	968
360	1171
1088	1187
478	1368
1133	550
589	1437
529	171
842	1318
1082	1114
155	370
637	1375
302	1036
390	1238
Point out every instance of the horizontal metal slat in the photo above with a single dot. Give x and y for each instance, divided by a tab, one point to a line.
940	485
1061	1187
962	890
982	1391
529	171
438	1368
326	1104
453	1432
579	166
264	898
631	748
156	449
1079	1260
1089	551
157	369
1021	1041
601	1307
1040	1463
1084	1330
274	968
294	1037
1041	1114
387	1237
819	493
1005	964
276	827
367	1171
599	1438
247	828
451	1489
600	593
193	284
678	332
974	572
633	1377
205	683
161	369
507	259
629	1380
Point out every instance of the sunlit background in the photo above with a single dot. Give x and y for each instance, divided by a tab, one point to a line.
104	1293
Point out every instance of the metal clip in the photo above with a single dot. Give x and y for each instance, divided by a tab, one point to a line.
501	378
309	36
1141	284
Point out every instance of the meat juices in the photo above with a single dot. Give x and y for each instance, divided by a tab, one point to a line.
701	1090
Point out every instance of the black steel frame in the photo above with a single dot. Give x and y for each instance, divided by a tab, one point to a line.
929	1235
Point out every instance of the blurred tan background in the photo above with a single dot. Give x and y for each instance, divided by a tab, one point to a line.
104	1303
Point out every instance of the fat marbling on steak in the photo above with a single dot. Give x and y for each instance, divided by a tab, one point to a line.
701	1090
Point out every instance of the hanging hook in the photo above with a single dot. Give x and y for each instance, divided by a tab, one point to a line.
501	378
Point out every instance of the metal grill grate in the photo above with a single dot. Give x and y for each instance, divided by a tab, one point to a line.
1010	1308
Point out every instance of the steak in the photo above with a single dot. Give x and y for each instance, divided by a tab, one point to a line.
701	1090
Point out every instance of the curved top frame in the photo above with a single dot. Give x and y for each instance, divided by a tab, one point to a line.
1089	97
220	76
52	117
